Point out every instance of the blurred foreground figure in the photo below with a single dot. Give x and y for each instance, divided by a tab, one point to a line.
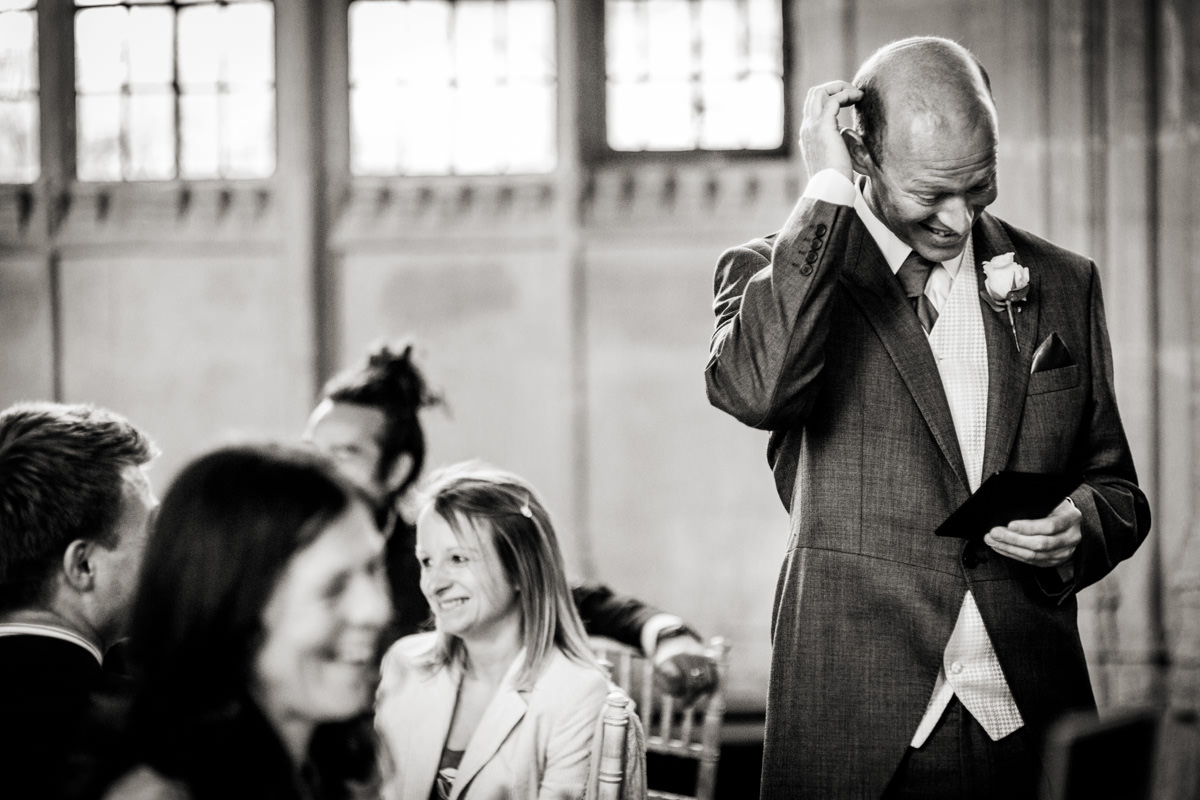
254	635
75	512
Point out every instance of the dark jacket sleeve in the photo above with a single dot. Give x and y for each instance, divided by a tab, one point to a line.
772	300
606	613
1116	514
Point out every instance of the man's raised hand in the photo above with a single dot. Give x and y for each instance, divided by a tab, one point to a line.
821	144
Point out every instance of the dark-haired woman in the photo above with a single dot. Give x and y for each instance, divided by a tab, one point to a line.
254	634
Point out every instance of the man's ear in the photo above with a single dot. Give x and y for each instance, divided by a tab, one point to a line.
77	565
860	156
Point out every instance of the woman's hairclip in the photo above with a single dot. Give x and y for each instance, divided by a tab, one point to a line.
525	510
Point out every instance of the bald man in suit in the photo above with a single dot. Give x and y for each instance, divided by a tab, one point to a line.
907	664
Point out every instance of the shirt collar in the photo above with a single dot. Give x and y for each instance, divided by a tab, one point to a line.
894	251
52	632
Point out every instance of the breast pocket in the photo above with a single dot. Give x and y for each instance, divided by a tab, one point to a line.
1055	404
1054	380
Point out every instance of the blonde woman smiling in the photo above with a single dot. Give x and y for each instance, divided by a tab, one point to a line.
501	700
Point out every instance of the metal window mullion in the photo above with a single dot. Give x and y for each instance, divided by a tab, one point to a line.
176	94
455	84
502	78
743	8
696	73
125	112
222	90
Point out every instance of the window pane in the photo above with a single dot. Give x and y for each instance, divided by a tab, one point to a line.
477	148
99	133
428	132
150	51
435	86
198	149
153	73
669	31
530	145
694	74
249	134
248	42
199	60
375	116
728	102
765	36
151	136
376	55
18	54
18	141
19	151
624	54
475	43
650	116
101	50
428	24
531	41
722	39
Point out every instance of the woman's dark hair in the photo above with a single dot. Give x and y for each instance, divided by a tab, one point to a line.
390	381
227	528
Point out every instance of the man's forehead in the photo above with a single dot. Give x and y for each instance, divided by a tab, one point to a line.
365	421
935	158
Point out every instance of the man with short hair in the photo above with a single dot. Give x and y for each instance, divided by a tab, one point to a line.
76	509
901	344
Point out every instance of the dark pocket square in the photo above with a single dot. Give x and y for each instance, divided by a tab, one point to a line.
1051	354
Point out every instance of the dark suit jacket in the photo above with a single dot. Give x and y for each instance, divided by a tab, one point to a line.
45	687
604	612
814	342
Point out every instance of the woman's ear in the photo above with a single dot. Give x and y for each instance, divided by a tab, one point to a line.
77	565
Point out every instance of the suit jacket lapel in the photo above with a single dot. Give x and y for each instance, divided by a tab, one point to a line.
433	701
499	718
1008	368
874	287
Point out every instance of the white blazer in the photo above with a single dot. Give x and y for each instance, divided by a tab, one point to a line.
529	744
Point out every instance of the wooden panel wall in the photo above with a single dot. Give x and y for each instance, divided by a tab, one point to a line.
567	317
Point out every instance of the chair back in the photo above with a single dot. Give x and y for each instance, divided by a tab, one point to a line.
672	729
618	770
1111	756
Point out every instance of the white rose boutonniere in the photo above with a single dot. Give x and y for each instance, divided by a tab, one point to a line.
1006	282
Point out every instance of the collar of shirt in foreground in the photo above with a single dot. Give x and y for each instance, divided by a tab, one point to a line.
833	187
51	631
